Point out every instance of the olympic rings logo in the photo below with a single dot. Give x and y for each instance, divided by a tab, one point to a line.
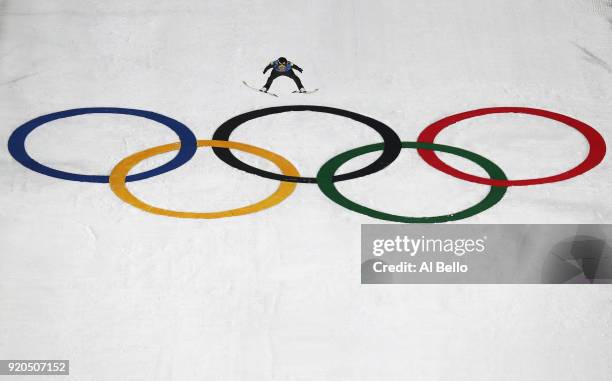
326	177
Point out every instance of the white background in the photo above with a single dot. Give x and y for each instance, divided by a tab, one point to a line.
276	295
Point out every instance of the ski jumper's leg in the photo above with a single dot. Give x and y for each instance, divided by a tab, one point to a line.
272	77
296	79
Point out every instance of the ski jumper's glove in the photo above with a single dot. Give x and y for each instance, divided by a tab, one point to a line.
270	65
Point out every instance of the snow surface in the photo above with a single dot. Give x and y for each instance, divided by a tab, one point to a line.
126	295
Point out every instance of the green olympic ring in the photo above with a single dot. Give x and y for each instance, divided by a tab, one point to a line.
327	186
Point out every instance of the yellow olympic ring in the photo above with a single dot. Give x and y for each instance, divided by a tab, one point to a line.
121	170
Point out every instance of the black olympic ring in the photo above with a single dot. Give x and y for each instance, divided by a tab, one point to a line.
392	142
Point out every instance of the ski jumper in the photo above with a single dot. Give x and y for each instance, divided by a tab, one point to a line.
280	69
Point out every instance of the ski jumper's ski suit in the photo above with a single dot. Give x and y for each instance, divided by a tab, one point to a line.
282	69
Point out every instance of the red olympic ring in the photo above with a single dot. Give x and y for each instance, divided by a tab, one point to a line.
597	146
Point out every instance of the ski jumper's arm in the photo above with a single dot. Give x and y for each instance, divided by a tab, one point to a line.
296	67
268	67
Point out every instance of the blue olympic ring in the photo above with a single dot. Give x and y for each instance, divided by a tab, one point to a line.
16	143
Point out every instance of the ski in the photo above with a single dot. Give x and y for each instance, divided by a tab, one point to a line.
305	92
256	89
